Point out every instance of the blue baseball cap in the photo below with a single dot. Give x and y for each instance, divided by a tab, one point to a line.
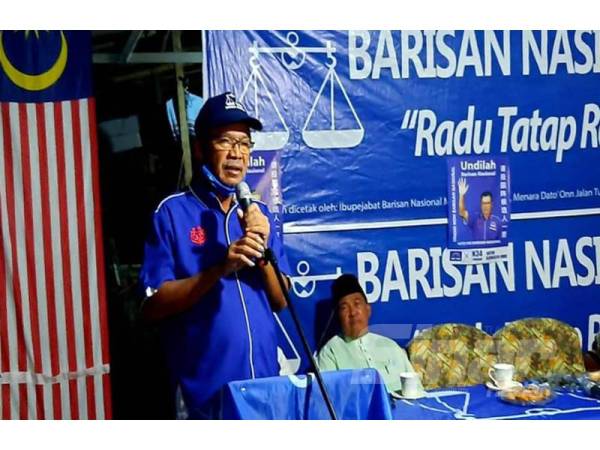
221	110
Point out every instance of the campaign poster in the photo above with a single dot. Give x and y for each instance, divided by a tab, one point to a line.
479	209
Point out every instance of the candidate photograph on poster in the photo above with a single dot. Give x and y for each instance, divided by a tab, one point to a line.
479	210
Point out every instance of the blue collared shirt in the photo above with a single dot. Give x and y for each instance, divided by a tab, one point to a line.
482	229
230	334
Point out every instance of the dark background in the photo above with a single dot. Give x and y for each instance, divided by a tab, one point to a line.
133	182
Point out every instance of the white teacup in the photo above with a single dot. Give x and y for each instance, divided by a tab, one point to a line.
502	375
410	384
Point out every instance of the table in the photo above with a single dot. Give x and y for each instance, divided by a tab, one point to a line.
356	394
478	402
361	394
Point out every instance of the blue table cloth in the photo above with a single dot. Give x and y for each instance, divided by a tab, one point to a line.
361	394
355	394
478	402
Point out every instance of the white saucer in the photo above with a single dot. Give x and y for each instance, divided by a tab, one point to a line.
404	397
493	387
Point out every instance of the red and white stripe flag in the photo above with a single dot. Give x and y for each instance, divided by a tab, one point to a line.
53	325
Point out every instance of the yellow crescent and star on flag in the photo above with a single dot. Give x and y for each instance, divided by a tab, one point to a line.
34	81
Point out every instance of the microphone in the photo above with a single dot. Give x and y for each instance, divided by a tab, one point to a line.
243	195
244	198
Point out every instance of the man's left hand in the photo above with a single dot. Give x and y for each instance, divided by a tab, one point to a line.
255	222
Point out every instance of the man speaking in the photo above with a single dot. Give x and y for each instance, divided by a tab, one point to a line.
203	271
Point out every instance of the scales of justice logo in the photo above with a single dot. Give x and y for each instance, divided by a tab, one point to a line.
34	81
258	98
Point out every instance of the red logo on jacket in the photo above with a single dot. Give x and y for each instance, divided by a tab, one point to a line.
197	235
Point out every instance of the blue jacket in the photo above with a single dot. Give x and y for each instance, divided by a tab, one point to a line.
230	333
482	229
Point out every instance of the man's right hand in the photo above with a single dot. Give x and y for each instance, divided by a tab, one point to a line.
463	187
240	252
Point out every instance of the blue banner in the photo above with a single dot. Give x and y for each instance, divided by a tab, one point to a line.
364	123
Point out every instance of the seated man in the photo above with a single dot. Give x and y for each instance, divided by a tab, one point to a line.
356	348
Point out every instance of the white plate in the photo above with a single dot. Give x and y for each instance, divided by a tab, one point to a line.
493	387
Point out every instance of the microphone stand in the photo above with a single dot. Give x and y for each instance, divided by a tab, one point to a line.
270	257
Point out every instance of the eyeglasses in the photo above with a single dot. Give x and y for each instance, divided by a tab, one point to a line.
226	144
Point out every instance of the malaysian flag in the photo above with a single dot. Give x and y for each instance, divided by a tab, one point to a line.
53	325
